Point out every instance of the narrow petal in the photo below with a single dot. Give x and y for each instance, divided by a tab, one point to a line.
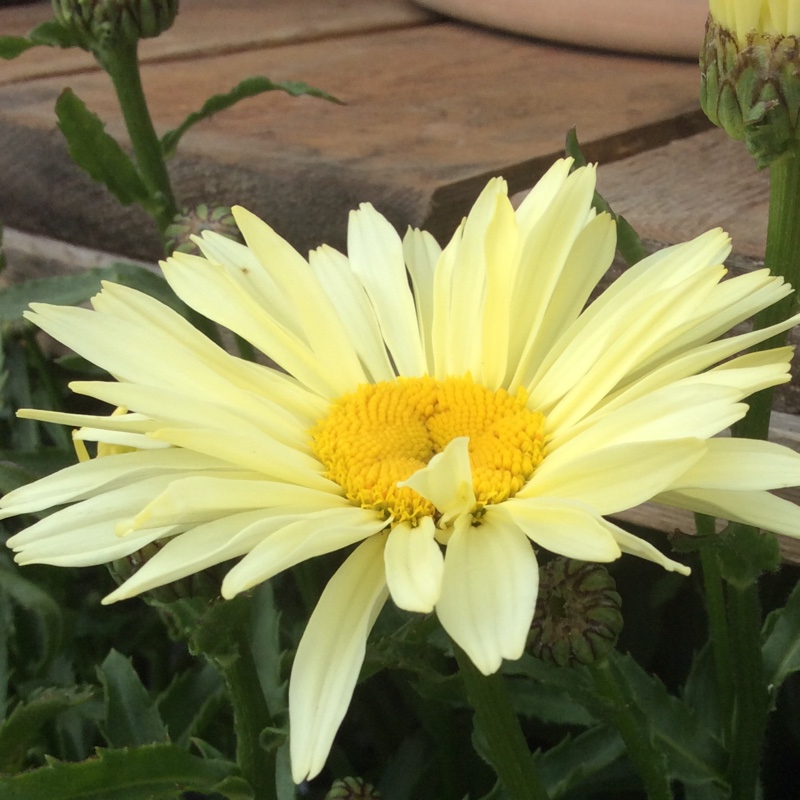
330	655
742	464
202	547
414	566
568	528
489	589
376	257
446	480
317	533
421	252
760	509
614	478
635	546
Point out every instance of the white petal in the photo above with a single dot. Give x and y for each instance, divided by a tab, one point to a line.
421	252
635	546
376	257
757	508
446	480
414	565
200	548
317	533
348	296
330	655
614	478
742	464
489	589
568	528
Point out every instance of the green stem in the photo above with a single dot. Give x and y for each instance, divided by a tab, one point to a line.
648	761
122	65
499	725
752	697
717	619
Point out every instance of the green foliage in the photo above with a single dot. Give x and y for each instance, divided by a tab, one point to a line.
781	642
98	152
49	34
131	717
154	772
249	87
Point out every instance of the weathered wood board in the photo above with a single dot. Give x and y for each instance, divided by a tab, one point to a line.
431	111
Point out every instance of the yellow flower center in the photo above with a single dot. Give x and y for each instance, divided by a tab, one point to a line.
383	433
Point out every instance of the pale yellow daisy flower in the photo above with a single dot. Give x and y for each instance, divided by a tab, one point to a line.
443	411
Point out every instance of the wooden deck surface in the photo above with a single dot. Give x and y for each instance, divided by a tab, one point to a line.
432	108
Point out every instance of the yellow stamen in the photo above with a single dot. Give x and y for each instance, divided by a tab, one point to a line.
383	433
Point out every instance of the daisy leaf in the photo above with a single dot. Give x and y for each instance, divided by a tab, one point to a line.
781	647
249	87
154	772
49	34
98	152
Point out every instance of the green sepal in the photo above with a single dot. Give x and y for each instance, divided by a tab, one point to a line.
781	642
48	34
21	730
97	152
131	717
249	87
152	772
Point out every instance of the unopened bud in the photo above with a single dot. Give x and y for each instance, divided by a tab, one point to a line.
104	24
578	617
353	789
193	221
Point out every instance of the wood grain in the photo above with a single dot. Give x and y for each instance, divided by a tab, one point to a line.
430	113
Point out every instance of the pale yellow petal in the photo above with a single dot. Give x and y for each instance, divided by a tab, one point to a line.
348	296
319	532
446	480
489	589
421	252
635	546
617	477
442	305
414	566
757	508
330	655
568	528
376	257
200	548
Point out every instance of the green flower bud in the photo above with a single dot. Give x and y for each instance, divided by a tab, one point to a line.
578	617
351	789
193	221
750	80
104	24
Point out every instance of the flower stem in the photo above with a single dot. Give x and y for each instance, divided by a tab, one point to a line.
499	725
648	761
122	65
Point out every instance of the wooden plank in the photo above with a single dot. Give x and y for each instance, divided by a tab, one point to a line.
430	113
208	27
675	192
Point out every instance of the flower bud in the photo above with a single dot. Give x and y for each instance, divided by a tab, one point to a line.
578	617
193	221
104	24
749	81
351	789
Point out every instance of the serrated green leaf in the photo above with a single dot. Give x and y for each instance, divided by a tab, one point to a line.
98	153
249	87
575	759
20	731
13	46
49	34
154	772
745	553
534	699
186	703
131	717
234	788
693	754
781	642
265	626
